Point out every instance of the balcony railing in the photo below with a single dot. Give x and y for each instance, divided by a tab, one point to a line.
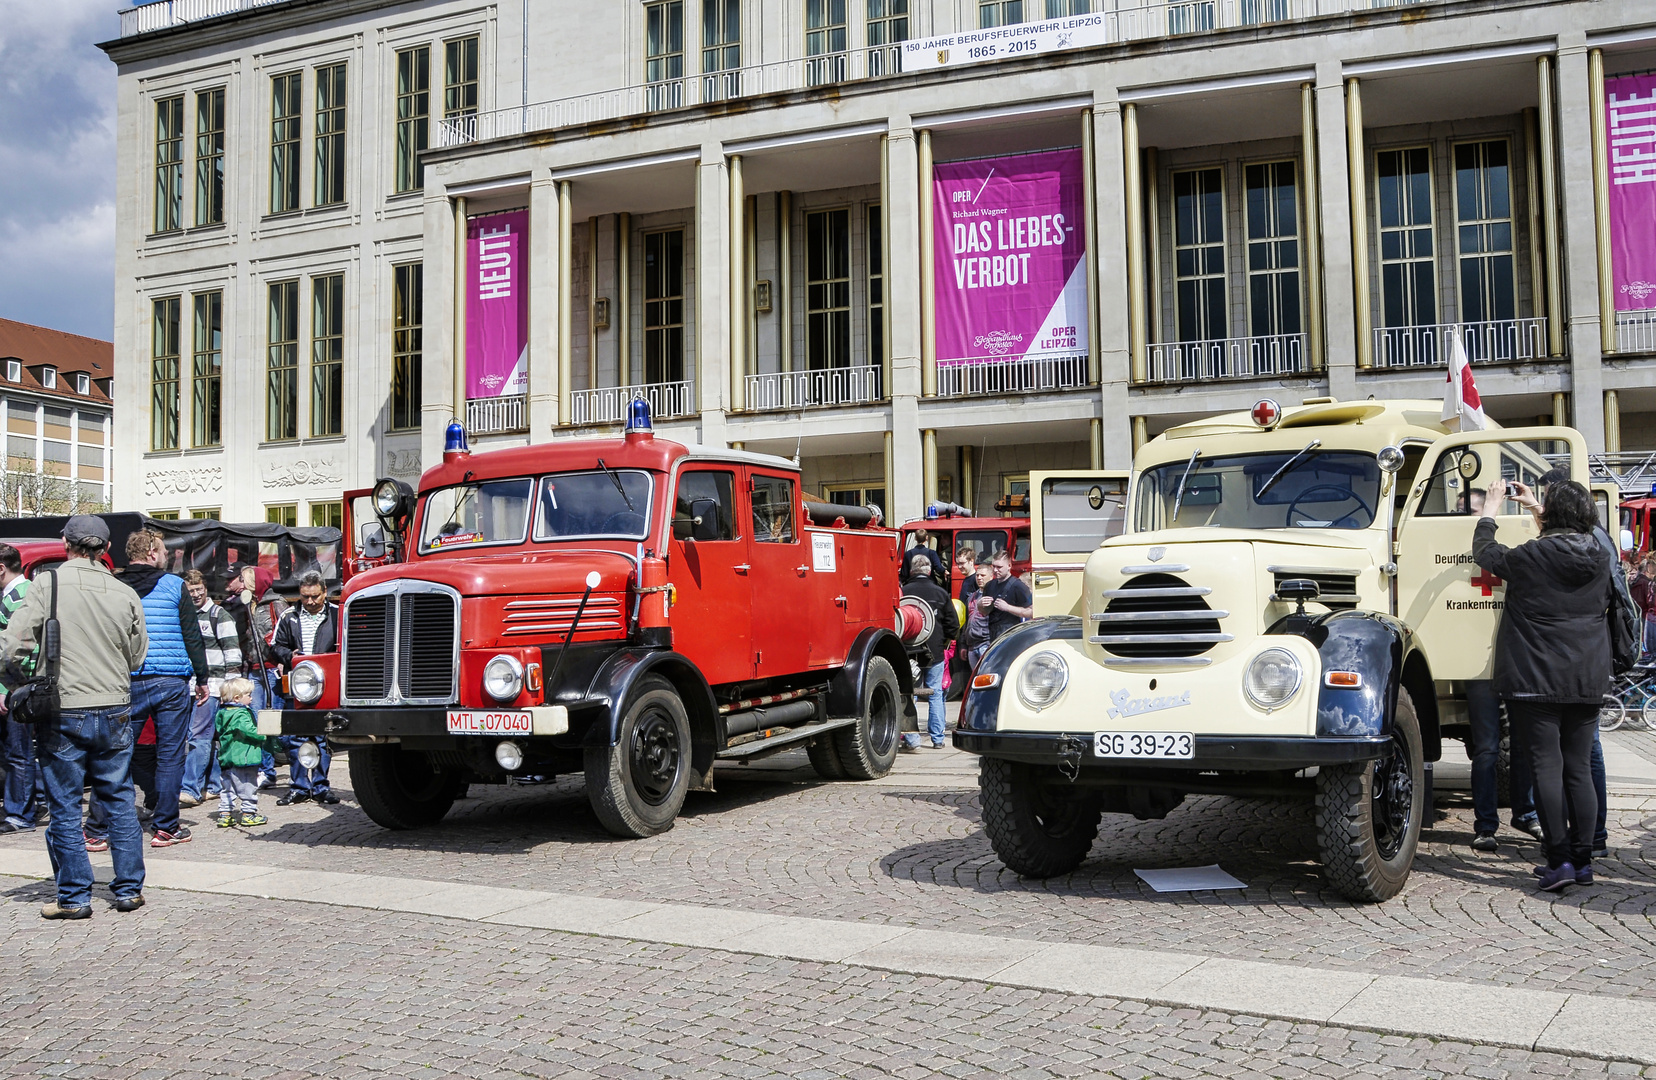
1226	358
160	16
1636	331
1019	375
1500	341
813	389
608	404
496	415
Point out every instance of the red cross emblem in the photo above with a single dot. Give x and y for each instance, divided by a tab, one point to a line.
1487	582
1265	412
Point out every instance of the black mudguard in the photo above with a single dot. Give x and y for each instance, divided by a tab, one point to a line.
1369	643
979	709
845	689
614	682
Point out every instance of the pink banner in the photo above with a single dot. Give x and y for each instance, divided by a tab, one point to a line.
497	305
1010	238
1630	108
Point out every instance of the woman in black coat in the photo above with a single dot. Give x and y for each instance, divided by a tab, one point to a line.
1552	663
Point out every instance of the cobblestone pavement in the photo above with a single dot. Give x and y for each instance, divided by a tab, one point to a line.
205	986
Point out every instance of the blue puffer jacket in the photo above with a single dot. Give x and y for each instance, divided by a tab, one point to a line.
170	618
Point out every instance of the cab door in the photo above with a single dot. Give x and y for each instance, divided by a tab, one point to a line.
1070	513
707	563
1453	605
776	551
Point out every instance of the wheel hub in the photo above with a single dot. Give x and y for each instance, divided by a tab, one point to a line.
655	757
1393	800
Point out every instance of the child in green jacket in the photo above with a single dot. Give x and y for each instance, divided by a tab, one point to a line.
240	749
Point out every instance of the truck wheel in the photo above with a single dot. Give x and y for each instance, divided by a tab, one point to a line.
637	786
825	758
1369	813
1038	830
402	789
868	748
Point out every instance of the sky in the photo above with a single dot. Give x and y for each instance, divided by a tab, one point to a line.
57	164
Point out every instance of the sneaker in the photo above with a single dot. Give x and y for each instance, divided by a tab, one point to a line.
937	746
128	903
326	798
1584	876
905	748
1556	878
189	800
1531	825
1601	853
1484	842
163	838
227	821
55	910
96	843
293	797
7	825
267	780
250	820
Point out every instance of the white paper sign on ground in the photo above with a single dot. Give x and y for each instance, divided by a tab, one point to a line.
1189	879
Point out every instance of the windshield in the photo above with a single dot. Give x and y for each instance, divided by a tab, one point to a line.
593	504
466	515
1322	490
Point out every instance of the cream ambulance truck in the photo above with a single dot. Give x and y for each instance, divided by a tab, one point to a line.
1292	608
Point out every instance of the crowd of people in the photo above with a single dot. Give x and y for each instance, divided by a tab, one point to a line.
157	688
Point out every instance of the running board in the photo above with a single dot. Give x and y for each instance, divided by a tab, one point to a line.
788	739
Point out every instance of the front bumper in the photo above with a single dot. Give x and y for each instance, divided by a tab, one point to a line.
404	723
1213	753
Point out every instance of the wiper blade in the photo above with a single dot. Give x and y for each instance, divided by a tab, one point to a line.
1286	465
616	480
1178	496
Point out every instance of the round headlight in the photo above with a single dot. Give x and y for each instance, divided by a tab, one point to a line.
307	755
1272	678
509	756
1043	678
305	682
387	498
503	678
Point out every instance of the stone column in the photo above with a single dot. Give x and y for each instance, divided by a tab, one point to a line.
1334	211
546	277
437	381
1109	318
712	291
1575	119
905	224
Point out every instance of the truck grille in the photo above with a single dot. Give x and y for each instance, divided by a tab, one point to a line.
1337	588
1154	618
400	646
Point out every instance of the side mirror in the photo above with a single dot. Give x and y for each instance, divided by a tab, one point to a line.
704	518
373	541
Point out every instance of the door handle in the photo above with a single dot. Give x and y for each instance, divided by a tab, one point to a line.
802	569
742	568
1045	578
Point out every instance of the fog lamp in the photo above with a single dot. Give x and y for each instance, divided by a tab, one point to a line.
509	755
1043	678
306	681
503	678
1272	678
307	755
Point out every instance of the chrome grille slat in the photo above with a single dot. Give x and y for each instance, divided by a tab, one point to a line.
1165	617
1157	616
1158	639
1193	590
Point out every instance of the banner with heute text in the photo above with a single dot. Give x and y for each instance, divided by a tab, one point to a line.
497	305
1630	112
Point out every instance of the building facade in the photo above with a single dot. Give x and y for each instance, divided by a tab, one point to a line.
57	394
723	208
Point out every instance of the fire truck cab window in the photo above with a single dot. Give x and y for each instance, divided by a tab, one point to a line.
493	512
614	503
983	543
773	510
710	497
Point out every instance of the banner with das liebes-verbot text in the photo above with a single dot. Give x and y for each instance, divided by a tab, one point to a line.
1010	257
1630	112
497	305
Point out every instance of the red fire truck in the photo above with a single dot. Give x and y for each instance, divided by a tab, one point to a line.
630	608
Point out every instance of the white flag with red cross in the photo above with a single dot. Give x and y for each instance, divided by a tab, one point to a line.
1460	394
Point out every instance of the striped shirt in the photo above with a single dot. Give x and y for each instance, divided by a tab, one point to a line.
223	644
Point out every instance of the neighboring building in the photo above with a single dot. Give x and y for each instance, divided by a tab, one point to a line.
712	179
56	391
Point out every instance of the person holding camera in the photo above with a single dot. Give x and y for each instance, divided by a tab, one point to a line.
88	739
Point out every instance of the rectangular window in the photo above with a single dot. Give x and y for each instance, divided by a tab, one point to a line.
773	510
825	39
1408	284
1262	11
327	515
209	196
280	514
876	287
828	289
207	513
330	135
852	495
413	115
285	106
888	24
460	77
1273	248
718	488
164	515
164	375
1057	9
721	49
1199	254
327	354
664	306
406	345
1192	16
999	13
1483	211
169	164
206	369
664	53
282	363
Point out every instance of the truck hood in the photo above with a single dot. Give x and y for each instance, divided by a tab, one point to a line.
513	574
1340	539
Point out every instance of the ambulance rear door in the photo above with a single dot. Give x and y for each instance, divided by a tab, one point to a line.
1071	512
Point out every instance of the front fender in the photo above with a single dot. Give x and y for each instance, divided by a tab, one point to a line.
845	689
1366	642
615	680
979	709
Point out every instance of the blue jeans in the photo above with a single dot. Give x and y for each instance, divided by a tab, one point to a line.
1649	638
308	781
91	746
1601	788
267	694
167	698
21	775
937	713
201	767
1484	711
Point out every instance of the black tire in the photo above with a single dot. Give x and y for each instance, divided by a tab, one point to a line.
1038	830
868	748
825	758
1369	815
402	789
637	786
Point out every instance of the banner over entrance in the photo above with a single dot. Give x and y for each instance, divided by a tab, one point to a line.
497	305
1010	243
1630	111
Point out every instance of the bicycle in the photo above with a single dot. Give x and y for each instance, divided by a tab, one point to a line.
1631	700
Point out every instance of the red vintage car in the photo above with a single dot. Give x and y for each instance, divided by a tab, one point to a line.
630	608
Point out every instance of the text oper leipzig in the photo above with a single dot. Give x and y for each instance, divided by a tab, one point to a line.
1028	39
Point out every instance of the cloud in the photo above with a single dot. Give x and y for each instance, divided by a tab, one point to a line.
57	185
